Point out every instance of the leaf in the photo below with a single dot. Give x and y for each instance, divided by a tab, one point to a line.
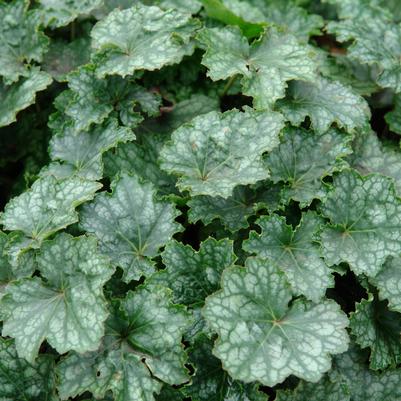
295	19
58	13
234	211
21	380
373	156
68	309
364	384
374	326
131	225
325	103
393	118
193	275
218	10
266	65
49	206
64	57
190	6
388	282
324	390
20	95
295	252
157	38
375	41
6	271
141	158
216	152
211	382
142	344
262	338
21	41
92	100
303	158
80	153
365	216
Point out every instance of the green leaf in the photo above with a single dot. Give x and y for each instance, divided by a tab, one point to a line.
325	102
6	271
92	100
324	390
365	216
261	337
266	65
131	225
211	382
21	380
142	344
169	393
295	19
193	275
141	158
157	38
393	118
80	153
49	206
21	41
68	309
364	384
216	152
373	156
234	211
20	95
64	57
374	326
375	41
57	13
304	158
295	252
218	10
189	6
388	282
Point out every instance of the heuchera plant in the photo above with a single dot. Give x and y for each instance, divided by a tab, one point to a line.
201	200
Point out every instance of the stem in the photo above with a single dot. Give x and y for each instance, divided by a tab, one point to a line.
229	84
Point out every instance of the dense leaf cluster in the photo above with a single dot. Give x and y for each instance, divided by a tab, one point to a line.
201	200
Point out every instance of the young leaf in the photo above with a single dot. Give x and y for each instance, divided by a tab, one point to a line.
374	326
142	344
266	65
324	102
295	252
68	309
261	337
303	158
157	38
194	275
365	216
21	380
216	152
131	225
